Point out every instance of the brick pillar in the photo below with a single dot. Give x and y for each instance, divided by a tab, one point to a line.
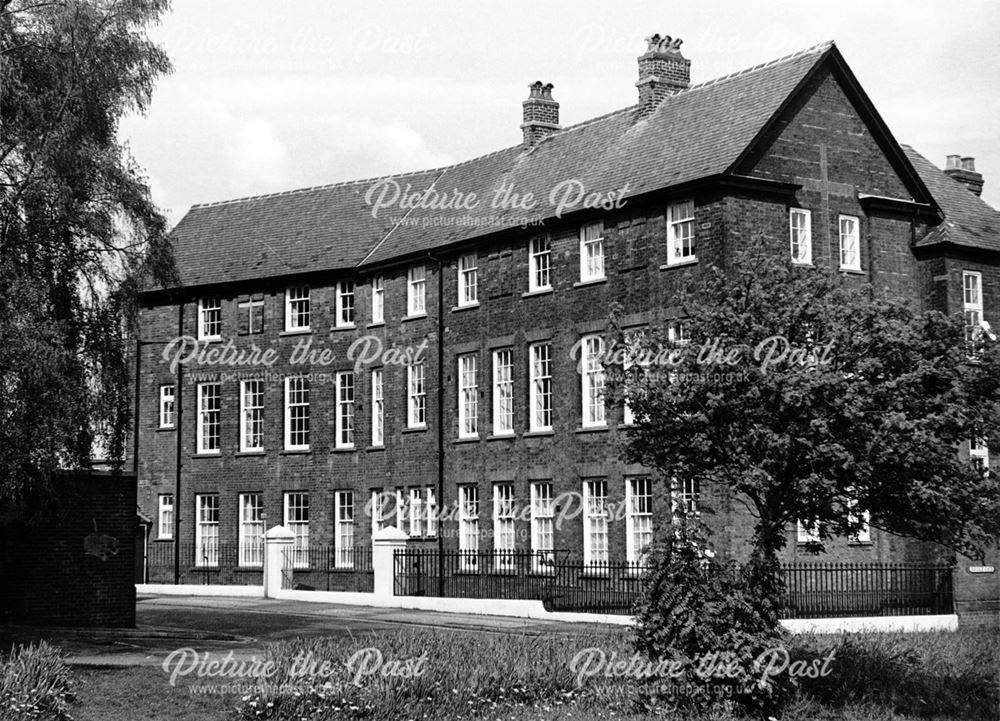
385	543
276	541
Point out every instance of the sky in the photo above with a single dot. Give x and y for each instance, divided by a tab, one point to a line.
266	97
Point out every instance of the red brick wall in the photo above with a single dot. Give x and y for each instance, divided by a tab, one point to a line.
74	564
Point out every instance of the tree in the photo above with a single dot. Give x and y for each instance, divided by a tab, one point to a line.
78	230
814	398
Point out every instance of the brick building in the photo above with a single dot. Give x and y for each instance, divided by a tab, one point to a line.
443	315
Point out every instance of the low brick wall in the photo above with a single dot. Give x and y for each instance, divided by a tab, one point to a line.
75	563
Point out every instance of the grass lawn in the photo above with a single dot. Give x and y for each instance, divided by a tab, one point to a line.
141	693
876	677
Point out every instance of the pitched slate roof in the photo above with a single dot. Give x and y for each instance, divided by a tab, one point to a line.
693	134
969	220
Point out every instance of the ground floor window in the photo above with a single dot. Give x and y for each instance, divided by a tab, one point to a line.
503	526
542	525
468	526
206	531
165	516
297	521
639	518
595	524
251	534
343	512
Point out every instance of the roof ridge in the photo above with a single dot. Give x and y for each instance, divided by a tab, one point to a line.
359	181
819	47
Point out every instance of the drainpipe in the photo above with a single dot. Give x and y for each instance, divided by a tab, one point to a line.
179	431
135	424
440	419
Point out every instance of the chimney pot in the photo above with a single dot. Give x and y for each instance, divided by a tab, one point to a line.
663	71
963	169
541	114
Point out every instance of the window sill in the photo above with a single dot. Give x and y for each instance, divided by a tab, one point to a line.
853	271
296	331
679	263
295	452
376	324
592	429
374	449
539	434
501	437
261	452
210	339
335	328
469	439
344	449
418	316
166	428
804	263
539	291
415	429
590	281
207	455
470	306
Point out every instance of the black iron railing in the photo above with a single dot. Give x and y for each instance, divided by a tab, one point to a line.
475	574
207	564
610	587
824	590
326	568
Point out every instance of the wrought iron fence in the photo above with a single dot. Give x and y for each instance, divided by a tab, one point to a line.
567	583
474	574
207	564
823	590
327	568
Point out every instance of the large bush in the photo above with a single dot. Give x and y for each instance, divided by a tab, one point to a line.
696	609
35	683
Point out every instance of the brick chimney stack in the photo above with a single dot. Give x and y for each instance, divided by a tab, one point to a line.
541	114
663	71
964	171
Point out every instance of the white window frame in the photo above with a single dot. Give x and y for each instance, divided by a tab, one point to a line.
979	452
378	407
855	238
595	525
972	302
206	530
209	418
800	235
168	405
431	509
592	252
251	530
416	291
248	306
542	526
297	305
416	516
252	416
540	387
632	337
345	304
806	532
207	306
165	516
540	264
289	380
298	527
344	422
468	396
468	527
504	531
416	396
378	299
344	531
638	518
378	510
681	232
685	494
593	412
468	280
503	392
